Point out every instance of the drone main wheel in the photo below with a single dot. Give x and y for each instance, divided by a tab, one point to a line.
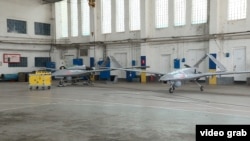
202	88
61	84
91	83
171	90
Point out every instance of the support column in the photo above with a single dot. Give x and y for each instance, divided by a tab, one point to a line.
146	30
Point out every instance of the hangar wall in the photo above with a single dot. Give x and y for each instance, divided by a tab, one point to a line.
226	37
26	44
30	53
218	36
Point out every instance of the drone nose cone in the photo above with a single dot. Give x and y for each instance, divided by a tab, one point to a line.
166	77
59	73
54	74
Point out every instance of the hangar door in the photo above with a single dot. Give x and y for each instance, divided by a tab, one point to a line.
239	63
193	56
165	64
122	59
69	60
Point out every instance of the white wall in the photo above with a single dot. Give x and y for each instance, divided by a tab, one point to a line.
27	10
217	36
37	51
27	45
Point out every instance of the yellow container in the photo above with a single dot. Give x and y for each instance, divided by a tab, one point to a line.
43	72
47	80
143	77
92	77
213	79
40	79
33	79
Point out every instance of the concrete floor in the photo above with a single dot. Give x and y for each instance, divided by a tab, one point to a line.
117	112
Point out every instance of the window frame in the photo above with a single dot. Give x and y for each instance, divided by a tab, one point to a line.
16	24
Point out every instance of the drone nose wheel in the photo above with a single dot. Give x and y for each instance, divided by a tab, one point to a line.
202	88
61	83
171	90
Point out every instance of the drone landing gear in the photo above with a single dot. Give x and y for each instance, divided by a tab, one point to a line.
88	82
61	83
171	89
201	87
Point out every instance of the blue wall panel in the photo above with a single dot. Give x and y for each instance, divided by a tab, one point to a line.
143	61
78	62
177	63
92	62
212	65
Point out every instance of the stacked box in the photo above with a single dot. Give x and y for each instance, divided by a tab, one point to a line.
41	79
21	76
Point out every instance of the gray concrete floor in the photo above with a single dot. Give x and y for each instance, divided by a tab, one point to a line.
117	112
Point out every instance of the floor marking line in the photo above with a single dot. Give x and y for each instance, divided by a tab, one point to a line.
156	107
2	110
135	105
165	108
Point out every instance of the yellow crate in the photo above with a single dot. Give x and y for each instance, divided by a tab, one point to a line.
38	80
47	80
33	79
43	72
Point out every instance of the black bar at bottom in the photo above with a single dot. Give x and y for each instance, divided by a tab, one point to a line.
223	132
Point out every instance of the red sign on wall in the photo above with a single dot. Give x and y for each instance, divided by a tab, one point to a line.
11	58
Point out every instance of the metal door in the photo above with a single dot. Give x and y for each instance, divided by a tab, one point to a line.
69	60
165	63
193	56
122	60
239	63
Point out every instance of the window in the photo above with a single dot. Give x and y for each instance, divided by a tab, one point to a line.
83	52
23	63
161	13
106	16
199	11
41	61
120	27
134	15
85	18
16	26
179	12
74	18
62	18
42	29
237	9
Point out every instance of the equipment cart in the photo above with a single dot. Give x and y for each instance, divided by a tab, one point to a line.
41	79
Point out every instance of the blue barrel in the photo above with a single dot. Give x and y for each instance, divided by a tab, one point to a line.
78	62
10	77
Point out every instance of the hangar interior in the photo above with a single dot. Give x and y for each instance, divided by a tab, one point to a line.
161	34
167	33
